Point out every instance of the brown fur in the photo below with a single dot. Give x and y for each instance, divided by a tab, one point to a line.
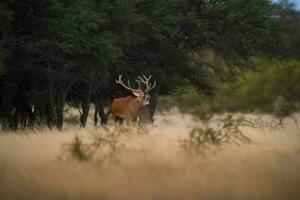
126	107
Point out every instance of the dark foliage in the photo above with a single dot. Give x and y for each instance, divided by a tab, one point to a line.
54	52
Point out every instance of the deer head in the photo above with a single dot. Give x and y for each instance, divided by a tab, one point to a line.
142	92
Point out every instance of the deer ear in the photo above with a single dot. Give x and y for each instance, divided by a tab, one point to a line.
137	94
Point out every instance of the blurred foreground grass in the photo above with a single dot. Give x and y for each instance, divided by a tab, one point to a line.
149	162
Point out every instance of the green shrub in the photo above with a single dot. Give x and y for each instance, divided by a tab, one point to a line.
273	85
201	138
166	103
187	97
281	107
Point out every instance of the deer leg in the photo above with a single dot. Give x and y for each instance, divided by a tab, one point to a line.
135	120
119	120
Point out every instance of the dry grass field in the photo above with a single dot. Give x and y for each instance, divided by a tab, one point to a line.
148	163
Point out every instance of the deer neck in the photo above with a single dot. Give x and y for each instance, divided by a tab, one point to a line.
135	105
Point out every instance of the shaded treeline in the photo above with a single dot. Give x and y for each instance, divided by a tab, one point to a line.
54	52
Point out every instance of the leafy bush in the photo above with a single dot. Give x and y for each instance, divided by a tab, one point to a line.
273	88
188	100
187	97
166	103
281	107
102	145
226	129
97	144
228	132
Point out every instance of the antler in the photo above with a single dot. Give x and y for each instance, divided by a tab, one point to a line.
128	86
147	82
143	80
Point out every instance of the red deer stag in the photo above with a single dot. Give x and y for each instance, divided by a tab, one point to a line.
127	107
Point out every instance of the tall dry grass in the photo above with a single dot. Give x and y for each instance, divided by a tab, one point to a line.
149	163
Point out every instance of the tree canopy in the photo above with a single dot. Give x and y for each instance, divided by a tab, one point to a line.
57	51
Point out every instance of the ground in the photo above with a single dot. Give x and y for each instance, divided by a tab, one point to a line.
150	163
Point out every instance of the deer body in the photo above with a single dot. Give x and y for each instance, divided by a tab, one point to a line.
128	107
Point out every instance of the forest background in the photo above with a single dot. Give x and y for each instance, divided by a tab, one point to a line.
206	56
